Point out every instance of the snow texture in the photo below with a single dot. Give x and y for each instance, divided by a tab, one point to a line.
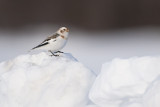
43	81
90	48
133	82
152	96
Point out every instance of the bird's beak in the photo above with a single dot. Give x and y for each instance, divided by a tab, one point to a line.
67	30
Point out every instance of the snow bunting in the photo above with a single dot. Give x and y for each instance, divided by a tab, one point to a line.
55	42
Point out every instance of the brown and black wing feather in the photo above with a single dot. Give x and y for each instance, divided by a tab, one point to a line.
40	45
45	42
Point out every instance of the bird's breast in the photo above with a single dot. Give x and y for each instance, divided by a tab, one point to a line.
63	37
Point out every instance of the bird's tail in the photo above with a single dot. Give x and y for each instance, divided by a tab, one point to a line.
38	46
30	50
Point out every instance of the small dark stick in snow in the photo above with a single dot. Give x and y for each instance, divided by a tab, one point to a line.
55	42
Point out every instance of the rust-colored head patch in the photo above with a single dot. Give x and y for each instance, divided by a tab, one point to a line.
63	37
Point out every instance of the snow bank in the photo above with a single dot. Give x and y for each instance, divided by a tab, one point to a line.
44	81
152	96
133	82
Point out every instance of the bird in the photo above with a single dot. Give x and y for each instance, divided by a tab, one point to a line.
54	43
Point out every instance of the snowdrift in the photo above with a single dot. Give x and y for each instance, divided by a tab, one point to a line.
133	82
43	81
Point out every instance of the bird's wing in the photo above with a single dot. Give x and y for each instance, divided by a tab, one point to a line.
54	36
46	41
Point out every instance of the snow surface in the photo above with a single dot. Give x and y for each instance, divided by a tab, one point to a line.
132	87
133	82
43	81
89	47
152	96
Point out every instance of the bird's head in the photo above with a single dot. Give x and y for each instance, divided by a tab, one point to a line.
63	31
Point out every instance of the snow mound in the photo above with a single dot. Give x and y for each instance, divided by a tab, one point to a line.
152	96
43	81
133	82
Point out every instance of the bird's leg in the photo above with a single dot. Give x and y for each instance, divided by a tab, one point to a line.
52	53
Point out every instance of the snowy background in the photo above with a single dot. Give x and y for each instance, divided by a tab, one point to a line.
126	63
87	47
111	58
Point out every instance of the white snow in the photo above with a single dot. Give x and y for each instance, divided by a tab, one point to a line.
130	82
43	81
152	96
89	47
133	82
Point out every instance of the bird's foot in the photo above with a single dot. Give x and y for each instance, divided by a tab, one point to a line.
54	55
59	52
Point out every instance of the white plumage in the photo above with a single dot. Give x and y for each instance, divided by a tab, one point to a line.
55	42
